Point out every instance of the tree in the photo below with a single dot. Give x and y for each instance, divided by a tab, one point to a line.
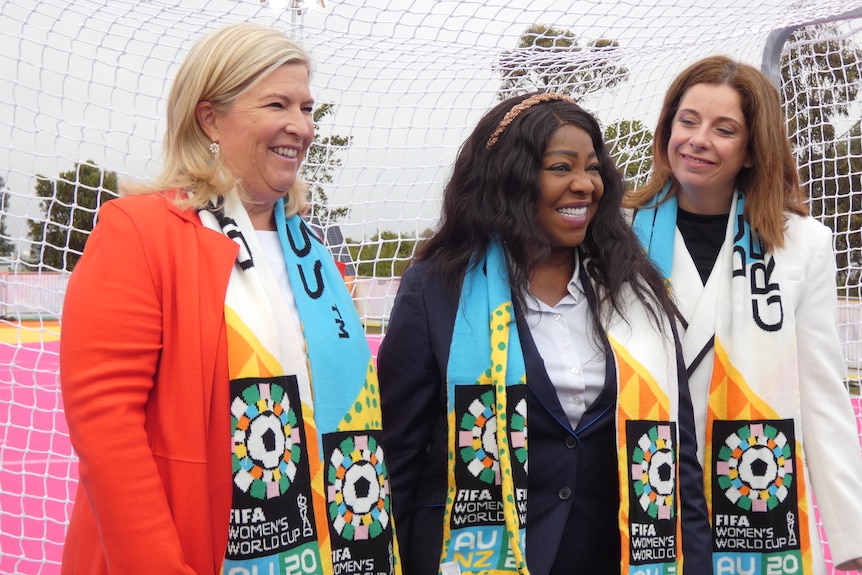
318	166
69	207
386	254
630	145
836	192
6	245
821	77
549	59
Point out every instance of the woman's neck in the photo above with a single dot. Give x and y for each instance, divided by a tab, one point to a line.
550	280
710	203
261	216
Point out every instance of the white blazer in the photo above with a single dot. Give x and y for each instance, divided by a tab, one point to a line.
831	450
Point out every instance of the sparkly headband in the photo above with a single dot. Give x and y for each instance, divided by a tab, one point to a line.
518	108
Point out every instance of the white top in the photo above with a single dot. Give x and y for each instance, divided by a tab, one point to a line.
564	337
275	260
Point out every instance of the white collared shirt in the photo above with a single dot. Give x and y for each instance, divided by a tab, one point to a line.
564	337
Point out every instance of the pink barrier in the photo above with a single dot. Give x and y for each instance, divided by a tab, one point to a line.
38	470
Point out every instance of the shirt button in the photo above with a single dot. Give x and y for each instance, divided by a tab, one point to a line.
571	442
556	317
566	345
565	493
577	400
576	370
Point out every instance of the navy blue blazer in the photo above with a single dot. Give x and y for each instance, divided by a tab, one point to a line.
573	484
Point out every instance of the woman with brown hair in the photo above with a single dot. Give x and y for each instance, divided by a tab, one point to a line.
724	219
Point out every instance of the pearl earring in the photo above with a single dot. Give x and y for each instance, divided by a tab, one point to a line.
214	148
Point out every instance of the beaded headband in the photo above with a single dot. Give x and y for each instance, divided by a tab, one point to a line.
518	108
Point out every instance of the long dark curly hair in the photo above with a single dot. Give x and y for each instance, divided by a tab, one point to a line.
492	195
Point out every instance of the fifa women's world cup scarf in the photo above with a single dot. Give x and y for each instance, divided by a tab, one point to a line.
755	480
647	441
310	486
485	517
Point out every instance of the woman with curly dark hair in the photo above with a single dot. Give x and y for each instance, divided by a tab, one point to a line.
534	307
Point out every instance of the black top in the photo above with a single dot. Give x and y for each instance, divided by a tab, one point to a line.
703	235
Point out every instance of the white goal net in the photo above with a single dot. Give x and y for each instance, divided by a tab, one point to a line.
399	84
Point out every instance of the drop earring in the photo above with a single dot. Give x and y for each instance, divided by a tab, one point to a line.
214	148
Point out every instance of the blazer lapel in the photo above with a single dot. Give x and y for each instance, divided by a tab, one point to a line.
538	381
695	300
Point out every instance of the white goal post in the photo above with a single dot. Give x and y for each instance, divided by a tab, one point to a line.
399	84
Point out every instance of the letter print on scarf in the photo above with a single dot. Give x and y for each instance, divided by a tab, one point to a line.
648	450
485	515
311	489
755	484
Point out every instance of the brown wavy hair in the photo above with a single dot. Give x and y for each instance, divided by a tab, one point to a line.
771	185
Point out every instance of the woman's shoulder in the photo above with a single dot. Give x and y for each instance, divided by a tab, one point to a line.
806	242
805	230
418	276
422	277
147	209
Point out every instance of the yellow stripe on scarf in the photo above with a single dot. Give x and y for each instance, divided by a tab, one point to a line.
500	320
365	412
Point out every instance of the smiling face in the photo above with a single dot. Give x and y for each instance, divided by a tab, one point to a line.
708	146
265	134
571	187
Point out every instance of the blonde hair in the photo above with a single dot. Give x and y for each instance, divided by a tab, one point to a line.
771	185
218	69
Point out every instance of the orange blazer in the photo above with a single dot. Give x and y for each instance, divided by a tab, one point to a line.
144	377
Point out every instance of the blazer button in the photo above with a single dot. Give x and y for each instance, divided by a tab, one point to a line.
571	442
565	493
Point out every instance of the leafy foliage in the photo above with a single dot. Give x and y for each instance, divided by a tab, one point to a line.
6	245
630	145
821	78
69	207
386	254
549	59
321	159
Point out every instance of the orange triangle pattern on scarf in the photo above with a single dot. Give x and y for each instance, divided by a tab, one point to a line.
731	398
639	398
248	358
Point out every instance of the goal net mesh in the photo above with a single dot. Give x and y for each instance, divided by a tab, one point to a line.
399	86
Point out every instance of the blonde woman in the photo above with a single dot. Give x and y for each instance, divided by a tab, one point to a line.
216	379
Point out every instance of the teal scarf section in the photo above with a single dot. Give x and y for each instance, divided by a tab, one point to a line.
338	351
485	517
655	227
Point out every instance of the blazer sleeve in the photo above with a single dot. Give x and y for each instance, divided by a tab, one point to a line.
109	352
410	390
830	436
